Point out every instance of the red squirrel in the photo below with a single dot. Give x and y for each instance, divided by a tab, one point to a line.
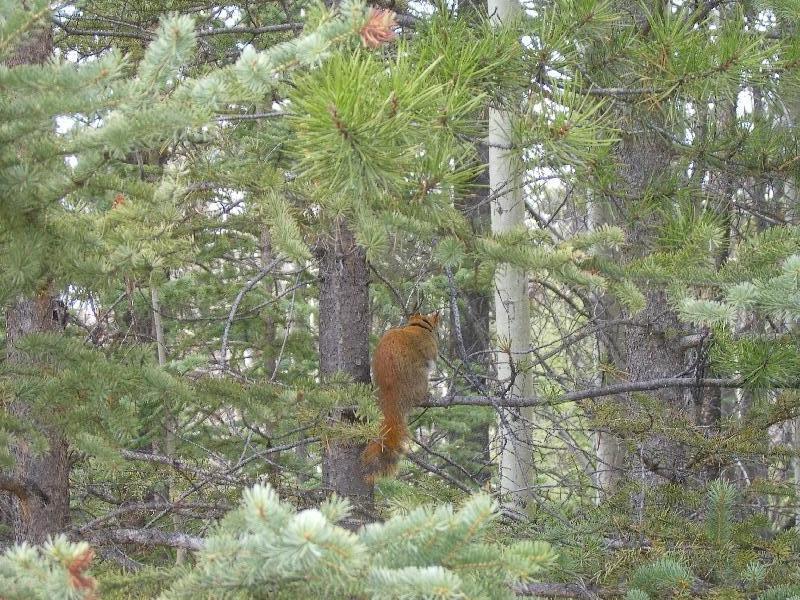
401	365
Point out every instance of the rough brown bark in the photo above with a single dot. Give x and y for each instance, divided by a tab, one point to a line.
344	347
653	351
34	518
638	353
476	208
476	316
720	187
34	49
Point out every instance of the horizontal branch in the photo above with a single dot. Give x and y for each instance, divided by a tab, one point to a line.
103	32
272	114
609	390
577	590
564	590
210	511
251	30
177	465
695	339
622	92
22	488
148	537
200	33
404	20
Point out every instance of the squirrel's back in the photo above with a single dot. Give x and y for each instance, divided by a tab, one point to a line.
401	365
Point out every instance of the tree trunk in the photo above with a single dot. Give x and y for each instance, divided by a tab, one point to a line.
476	313
476	318
344	347
511	303
654	350
170	420
720	188
270	357
34	518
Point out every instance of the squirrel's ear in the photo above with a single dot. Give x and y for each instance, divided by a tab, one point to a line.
434	317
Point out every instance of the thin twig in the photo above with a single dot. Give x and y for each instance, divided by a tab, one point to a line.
437	471
235	306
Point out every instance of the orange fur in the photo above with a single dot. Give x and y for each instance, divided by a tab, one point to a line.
400	368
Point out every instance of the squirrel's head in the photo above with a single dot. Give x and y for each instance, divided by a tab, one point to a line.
429	322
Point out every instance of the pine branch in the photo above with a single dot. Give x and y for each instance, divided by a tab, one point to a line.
200	33
223	359
252	116
695	339
251	30
621	92
178	465
565	590
213	511
103	32
148	537
437	471
611	390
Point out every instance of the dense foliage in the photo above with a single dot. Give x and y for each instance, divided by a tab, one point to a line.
173	176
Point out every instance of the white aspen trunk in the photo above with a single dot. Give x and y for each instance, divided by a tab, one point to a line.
512	308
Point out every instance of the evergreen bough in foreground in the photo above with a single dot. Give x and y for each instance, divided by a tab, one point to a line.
267	549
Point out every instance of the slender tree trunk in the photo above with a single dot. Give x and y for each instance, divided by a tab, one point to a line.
270	328
511	303
158	326
170	422
344	347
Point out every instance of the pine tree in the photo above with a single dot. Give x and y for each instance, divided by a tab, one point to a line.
57	222
178	193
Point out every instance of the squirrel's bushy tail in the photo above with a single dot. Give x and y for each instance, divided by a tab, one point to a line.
382	455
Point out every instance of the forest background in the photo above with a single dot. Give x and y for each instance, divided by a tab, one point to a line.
210	212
